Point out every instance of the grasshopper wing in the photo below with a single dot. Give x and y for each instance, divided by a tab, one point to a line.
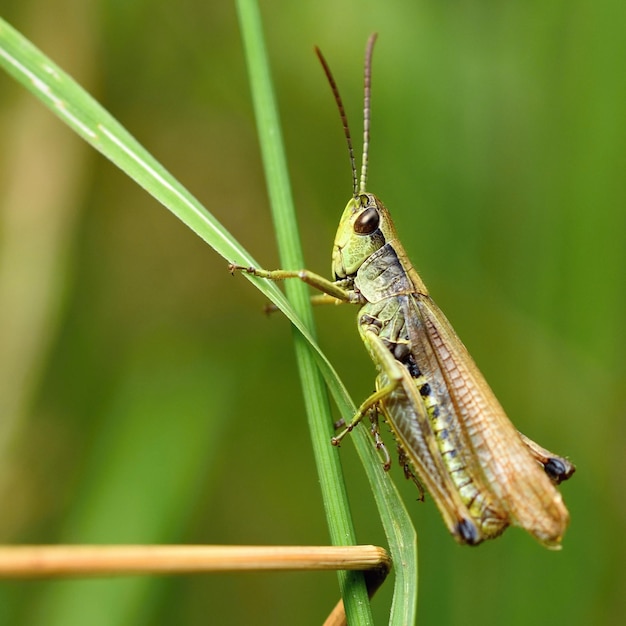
508	467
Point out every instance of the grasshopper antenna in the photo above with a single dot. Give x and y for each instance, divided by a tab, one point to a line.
366	109
344	120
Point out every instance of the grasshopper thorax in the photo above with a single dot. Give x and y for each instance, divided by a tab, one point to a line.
365	227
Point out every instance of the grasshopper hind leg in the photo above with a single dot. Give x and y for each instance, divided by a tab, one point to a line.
557	468
465	529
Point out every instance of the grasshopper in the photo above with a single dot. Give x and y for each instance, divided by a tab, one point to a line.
453	436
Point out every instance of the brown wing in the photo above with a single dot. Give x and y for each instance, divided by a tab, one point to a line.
430	388
507	466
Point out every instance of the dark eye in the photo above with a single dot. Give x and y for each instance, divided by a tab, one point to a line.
367	222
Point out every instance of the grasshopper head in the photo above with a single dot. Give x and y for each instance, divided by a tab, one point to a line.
365	227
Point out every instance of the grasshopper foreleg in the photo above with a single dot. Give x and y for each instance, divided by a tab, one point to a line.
338	290
318	299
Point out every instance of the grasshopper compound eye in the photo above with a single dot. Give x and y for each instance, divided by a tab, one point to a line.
368	222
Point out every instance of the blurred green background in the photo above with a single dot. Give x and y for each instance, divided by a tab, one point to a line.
145	398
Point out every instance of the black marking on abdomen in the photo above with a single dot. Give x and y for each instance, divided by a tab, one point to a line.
414	370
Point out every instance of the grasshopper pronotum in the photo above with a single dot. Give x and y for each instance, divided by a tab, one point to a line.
452	434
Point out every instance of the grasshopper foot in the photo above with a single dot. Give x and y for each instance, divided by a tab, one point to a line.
235	267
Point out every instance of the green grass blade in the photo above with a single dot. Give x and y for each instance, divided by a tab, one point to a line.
319	413
64	97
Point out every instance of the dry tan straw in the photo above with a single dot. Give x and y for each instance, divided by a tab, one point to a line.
60	561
